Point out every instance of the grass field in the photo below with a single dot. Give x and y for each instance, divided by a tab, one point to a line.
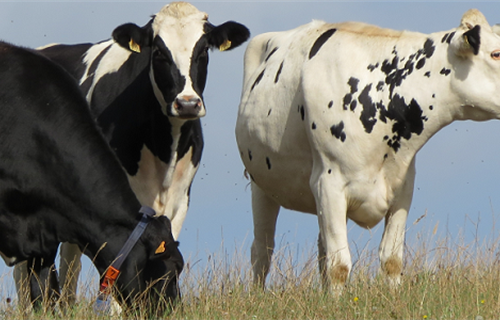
442	280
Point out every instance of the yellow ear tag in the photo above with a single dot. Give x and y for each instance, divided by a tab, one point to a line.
226	45
161	248
134	46
466	41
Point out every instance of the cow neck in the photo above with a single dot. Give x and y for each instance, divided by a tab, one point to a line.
176	135
445	105
130	116
104	249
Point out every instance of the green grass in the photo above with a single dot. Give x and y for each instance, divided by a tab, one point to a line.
442	280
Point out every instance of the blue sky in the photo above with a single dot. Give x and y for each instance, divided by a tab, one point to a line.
458	170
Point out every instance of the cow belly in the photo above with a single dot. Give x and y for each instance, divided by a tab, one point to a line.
283	177
368	203
288	184
286	178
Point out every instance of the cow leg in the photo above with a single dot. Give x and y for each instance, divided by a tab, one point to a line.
69	271
391	246
22	285
43	283
335	258
178	193
179	218
321	258
265	214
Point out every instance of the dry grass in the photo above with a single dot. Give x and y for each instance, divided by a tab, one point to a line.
461	281
442	280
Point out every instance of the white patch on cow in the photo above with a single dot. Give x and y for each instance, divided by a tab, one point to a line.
291	145
165	186
111	62
46	46
180	25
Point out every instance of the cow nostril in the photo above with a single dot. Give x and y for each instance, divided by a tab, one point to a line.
188	107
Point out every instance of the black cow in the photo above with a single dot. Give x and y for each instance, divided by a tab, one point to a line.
145	89
60	182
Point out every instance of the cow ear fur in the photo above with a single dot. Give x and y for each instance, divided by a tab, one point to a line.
132	37
228	35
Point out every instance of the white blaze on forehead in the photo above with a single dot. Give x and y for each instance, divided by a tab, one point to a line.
177	11
180	25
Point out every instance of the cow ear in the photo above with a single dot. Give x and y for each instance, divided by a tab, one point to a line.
132	37
467	44
472	39
164	250
473	21
228	36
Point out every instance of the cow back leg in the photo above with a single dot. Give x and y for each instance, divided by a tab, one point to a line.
391	246
69	270
335	259
44	286
265	214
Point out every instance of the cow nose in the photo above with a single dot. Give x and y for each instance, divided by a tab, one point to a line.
188	106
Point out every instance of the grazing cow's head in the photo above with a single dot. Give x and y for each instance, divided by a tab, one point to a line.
180	36
152	275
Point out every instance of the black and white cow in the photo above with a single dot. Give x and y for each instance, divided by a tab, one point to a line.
332	116
60	182
145	90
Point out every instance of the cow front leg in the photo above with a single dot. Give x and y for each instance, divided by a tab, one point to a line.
44	286
265	214
334	256
391	246
69	270
22	285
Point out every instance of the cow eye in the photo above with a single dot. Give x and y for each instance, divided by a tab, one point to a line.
161	57
496	55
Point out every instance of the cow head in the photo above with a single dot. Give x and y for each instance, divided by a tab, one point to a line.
179	37
474	53
149	278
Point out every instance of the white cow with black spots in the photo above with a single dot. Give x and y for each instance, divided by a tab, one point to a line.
332	116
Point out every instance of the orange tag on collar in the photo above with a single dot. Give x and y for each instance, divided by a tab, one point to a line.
109	278
161	248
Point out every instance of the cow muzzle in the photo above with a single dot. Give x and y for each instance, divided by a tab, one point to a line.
189	107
